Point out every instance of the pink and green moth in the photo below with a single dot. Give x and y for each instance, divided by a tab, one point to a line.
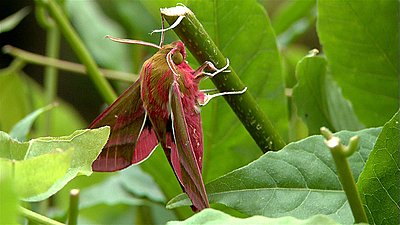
161	107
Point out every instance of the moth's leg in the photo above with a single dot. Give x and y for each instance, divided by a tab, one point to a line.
200	74
209	90
207	97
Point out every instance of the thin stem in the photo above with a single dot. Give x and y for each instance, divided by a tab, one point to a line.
51	72
83	54
340	154
36	217
200	44
25	56
73	207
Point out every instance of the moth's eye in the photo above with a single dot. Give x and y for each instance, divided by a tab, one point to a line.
177	57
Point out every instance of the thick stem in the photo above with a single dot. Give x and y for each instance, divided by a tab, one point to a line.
340	154
83	54
32	216
33	58
200	44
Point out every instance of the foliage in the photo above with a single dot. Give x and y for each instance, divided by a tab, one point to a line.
350	87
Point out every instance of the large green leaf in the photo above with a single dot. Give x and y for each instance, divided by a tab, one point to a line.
361	42
214	217
46	164
319	100
379	182
300	181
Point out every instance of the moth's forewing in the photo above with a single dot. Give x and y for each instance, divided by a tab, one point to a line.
127	119
189	169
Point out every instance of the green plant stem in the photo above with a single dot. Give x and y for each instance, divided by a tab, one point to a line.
340	154
73	207
200	44
77	45
32	216
23	56
51	72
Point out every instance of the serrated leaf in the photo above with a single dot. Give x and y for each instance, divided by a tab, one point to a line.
319	100
214	217
21	129
360	40
282	184
378	184
12	21
87	145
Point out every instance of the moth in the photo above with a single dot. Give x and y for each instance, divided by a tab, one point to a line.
161	107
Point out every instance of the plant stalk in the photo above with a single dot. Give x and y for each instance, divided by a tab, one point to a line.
200	44
25	56
73	207
340	154
33	216
82	53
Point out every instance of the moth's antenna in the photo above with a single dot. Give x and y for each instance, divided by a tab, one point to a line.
162	33
129	41
175	24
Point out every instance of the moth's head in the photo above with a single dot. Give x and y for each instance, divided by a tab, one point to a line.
177	51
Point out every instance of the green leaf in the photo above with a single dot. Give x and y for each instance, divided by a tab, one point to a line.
21	129
125	183
93	26
12	21
292	19
43	166
38	173
87	145
319	100
360	40
282	184
379	182
212	216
